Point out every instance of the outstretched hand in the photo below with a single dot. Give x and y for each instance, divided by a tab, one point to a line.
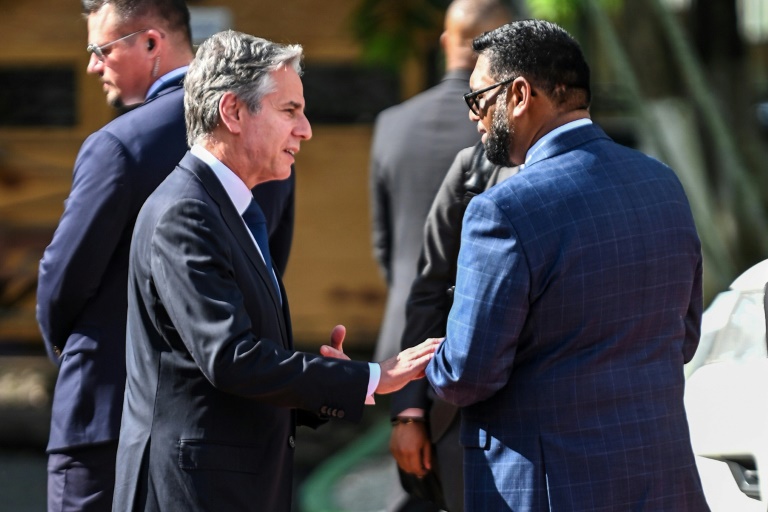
406	366
396	371
336	350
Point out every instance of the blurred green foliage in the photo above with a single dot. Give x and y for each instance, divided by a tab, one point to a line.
564	11
676	70
389	30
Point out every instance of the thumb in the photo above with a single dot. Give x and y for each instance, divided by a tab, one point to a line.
337	337
427	456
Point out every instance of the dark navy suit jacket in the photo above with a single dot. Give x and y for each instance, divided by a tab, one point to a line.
82	283
214	389
578	300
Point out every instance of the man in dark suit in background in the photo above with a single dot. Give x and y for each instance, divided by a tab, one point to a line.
578	300
140	50
413	146
214	388
433	445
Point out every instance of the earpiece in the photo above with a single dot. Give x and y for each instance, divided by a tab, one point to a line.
151	44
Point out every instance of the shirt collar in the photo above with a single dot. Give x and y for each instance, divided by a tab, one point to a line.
458	74
554	133
236	189
172	76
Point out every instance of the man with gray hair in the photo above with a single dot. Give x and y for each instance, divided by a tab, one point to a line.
139	50
215	389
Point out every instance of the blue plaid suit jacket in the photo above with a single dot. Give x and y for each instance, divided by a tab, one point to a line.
578	300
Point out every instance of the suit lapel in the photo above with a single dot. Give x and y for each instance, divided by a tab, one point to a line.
240	232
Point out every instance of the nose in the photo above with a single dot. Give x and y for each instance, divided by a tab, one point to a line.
303	130
93	64
473	117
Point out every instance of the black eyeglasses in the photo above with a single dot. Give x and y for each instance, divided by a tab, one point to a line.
472	97
98	51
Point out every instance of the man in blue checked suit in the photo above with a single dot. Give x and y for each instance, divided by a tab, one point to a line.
577	302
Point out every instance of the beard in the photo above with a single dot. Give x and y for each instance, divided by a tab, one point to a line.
115	102
500	137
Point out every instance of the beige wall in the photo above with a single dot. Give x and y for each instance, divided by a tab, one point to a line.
331	277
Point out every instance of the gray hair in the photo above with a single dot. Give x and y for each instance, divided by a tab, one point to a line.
233	62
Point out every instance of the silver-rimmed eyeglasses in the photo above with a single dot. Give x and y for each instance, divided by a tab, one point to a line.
98	50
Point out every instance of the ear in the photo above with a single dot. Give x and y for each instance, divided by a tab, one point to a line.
154	41
519	96
230	112
444	39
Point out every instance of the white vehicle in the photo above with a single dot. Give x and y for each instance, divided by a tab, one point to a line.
725	397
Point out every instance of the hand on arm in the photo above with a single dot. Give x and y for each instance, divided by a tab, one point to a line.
406	366
396	371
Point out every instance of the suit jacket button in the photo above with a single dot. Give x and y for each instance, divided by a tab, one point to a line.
340	414
324	410
291	442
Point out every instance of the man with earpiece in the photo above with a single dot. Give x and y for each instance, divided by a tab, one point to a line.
140	50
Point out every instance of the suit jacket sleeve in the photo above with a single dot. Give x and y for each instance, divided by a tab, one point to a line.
220	325
693	316
95	215
381	228
489	309
431	293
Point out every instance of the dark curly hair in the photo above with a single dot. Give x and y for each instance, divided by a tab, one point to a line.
542	52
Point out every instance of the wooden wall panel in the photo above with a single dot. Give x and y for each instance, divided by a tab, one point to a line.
331	278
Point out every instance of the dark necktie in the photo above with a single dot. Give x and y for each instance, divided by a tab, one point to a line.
257	223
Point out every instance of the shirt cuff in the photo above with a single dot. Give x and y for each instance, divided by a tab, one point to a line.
412	412
373	382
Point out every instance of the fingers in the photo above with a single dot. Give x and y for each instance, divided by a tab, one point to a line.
427	346
415	367
430	344
409	364
328	351
338	334
407	445
413	464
